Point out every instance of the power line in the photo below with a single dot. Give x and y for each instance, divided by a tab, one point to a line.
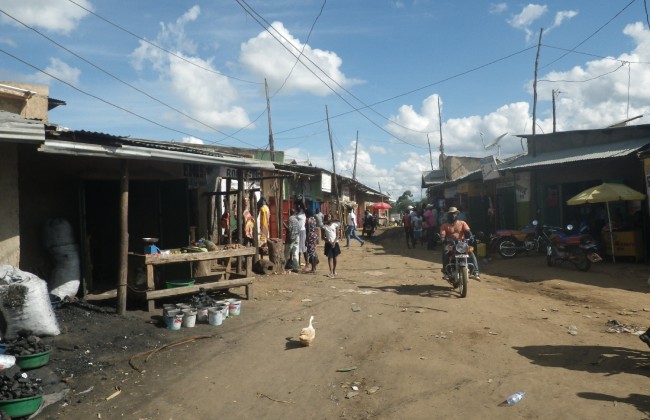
303	48
257	18
159	47
595	55
586	80
118	79
590	36
104	100
441	81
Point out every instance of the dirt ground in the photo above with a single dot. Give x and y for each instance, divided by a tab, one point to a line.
393	341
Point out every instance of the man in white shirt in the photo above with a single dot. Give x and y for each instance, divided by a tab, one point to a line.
352	228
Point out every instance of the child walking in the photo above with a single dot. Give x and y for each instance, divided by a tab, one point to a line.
332	249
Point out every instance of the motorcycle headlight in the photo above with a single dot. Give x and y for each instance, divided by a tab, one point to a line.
462	247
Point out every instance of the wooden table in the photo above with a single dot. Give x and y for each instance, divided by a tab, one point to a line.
225	279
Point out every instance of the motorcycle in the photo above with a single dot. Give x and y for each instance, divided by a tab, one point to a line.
509	243
459	265
579	249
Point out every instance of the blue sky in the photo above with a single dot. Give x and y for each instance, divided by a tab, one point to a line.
195	71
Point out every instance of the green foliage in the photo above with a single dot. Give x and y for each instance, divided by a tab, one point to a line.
403	201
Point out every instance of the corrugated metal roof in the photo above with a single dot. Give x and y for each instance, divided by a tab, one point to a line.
19	129
578	154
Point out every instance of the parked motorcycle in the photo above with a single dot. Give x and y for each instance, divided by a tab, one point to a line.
459	265
509	243
581	250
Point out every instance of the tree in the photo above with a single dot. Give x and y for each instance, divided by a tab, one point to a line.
403	201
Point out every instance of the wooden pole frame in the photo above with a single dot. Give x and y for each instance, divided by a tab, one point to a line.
124	238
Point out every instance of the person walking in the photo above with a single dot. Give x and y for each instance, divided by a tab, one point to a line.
352	228
302	236
292	241
332	249
311	241
417	222
408	229
431	218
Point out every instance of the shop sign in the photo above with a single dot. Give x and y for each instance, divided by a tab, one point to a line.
326	182
226	172
522	187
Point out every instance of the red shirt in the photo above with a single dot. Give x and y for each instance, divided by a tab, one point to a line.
454	230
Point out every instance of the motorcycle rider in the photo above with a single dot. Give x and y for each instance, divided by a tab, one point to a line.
456	229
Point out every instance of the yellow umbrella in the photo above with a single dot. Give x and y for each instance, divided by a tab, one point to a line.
604	193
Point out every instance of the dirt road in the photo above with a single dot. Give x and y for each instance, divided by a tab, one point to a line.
409	348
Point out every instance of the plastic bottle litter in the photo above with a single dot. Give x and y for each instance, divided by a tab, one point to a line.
515	398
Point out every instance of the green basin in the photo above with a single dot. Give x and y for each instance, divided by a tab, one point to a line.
21	407
35	360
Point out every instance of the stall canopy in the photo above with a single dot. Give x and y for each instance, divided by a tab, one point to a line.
382	206
604	193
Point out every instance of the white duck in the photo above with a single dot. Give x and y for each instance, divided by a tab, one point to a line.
307	334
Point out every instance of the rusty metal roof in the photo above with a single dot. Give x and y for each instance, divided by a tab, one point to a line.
578	154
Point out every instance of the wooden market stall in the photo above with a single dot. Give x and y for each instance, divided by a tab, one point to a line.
221	275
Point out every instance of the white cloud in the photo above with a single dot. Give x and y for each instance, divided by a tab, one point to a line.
204	95
498	8
602	97
265	58
191	140
378	149
60	70
53	15
562	16
528	15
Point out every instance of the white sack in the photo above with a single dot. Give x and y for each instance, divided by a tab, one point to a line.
66	272
25	303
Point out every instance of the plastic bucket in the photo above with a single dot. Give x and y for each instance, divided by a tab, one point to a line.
176	321
171	313
481	250
215	316
202	314
189	318
225	303
234	307
224	310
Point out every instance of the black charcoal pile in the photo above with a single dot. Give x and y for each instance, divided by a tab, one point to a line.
15	384
202	300
26	344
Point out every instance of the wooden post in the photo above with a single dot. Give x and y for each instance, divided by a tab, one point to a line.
229	210
218	200
240	214
124	237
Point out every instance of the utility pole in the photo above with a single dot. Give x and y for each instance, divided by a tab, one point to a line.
442	147
430	155
554	92
335	181
356	148
539	44
268	113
